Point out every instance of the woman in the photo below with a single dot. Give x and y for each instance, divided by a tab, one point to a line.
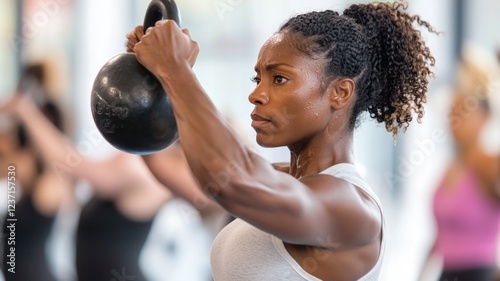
317	218
39	193
39	196
466	203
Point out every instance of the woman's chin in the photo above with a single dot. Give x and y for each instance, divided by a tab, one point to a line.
267	141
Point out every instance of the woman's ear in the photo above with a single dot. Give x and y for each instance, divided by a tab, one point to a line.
341	92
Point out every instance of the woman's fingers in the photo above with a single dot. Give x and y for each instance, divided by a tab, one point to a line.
134	37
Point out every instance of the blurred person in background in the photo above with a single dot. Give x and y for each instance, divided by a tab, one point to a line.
39	193
466	203
115	233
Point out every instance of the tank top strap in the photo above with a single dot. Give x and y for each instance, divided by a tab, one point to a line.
350	173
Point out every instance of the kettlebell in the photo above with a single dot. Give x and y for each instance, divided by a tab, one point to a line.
129	106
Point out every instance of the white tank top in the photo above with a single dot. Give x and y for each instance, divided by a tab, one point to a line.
245	253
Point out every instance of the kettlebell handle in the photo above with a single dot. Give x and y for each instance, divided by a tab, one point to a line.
161	10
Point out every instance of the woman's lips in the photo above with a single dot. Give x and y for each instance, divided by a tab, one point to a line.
259	121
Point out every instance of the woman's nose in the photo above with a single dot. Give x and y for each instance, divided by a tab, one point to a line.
258	96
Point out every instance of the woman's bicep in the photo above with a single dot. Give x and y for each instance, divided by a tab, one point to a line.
317	210
281	211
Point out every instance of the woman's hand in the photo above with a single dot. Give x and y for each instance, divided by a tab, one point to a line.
134	37
165	47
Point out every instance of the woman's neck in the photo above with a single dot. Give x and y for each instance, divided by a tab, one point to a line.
318	154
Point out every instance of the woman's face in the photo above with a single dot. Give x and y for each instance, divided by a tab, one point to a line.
467	119
290	106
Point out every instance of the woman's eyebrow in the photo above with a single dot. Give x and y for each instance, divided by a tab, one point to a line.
272	66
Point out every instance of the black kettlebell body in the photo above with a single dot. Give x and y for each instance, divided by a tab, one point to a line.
129	106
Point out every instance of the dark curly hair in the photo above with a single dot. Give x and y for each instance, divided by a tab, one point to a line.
378	47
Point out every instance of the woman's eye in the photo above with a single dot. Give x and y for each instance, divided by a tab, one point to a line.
279	79
255	79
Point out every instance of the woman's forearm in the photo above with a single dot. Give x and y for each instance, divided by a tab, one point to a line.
211	147
170	168
55	149
58	152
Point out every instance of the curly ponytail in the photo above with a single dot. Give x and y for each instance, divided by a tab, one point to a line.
377	46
